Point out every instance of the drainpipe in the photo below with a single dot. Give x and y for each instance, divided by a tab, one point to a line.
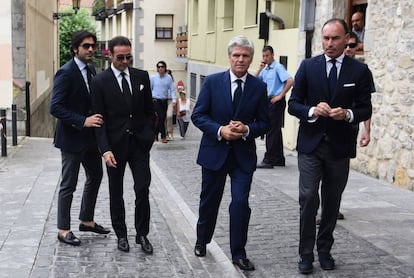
307	23
272	16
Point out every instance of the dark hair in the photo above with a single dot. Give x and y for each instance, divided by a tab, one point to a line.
163	63
340	21
267	48
116	41
352	35
78	37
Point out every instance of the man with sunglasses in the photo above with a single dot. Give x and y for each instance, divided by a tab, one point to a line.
161	85
122	94
71	105
350	51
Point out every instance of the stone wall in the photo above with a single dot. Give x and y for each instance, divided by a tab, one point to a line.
389	52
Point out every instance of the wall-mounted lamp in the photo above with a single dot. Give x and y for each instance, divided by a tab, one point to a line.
75	7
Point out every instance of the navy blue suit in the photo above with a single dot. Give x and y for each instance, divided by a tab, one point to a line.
71	105
220	158
325	146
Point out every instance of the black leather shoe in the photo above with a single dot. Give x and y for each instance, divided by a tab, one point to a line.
244	264
95	229
264	165
326	261
123	244
69	238
200	250
305	265
145	244
340	216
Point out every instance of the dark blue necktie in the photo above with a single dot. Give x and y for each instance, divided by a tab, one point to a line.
237	94
89	76
333	77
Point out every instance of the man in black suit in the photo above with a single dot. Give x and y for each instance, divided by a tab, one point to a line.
74	135
331	93
122	94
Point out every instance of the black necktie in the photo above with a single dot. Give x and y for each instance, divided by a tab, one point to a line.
126	91
333	77
237	94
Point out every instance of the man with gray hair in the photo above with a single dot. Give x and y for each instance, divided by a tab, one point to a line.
230	121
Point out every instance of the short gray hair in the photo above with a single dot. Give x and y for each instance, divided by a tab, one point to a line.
242	42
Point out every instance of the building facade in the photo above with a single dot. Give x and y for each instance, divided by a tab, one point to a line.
152	27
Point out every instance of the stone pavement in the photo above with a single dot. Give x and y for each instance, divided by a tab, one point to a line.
375	240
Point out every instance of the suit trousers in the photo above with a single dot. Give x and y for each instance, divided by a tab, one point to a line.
274	142
138	161
91	161
161	106
320	167
210	198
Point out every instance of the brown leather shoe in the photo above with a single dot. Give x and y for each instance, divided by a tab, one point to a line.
164	140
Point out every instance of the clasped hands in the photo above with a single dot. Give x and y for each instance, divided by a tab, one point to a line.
324	110
233	131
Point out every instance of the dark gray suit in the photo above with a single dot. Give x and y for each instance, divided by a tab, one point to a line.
71	105
326	145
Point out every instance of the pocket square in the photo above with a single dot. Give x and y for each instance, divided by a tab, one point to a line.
141	87
349	85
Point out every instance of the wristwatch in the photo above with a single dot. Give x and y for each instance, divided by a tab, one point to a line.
347	115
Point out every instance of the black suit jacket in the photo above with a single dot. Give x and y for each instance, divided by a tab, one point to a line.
119	121
353	91
71	104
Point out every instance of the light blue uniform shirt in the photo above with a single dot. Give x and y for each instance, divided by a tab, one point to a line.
161	87
275	76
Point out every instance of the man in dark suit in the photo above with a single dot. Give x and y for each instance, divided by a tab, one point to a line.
331	94
122	94
231	111
74	135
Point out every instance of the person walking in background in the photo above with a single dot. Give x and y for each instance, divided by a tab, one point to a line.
71	105
230	121
330	95
162	84
278	82
171	113
122	94
184	108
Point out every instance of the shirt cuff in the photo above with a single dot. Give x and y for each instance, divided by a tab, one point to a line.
312	119
218	133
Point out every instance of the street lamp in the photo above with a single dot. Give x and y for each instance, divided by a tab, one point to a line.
75	7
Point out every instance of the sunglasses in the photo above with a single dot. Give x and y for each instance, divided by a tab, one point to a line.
160	67
351	45
86	46
123	57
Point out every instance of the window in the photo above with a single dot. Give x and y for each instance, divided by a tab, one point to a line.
251	12
211	16
164	26
228	14
195	17
193	84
